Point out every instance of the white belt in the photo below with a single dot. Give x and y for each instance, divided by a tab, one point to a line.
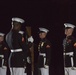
42	54
2	56
69	53
16	50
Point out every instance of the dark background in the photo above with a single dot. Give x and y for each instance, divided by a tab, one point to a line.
49	14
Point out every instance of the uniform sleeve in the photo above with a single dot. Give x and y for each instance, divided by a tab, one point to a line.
6	52
74	45
23	45
48	53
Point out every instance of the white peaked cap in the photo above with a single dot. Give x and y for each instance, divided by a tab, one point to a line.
18	20
69	25
21	32
2	34
44	30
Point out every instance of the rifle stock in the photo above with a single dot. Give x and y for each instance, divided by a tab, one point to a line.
28	31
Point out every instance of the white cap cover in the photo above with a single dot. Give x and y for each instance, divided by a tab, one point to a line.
18	20
21	32
2	34
44	30
69	25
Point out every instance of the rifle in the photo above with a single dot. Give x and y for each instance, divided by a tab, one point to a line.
28	32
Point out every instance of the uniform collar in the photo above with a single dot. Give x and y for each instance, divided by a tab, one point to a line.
69	37
43	39
15	30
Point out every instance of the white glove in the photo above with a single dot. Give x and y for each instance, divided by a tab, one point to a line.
46	66
24	67
71	54
4	67
30	39
28	60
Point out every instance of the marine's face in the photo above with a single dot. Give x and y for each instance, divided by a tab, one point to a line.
68	31
1	38
42	35
17	26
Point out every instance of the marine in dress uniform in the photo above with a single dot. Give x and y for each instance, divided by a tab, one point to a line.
28	59
4	54
30	41
44	49
17	45
29	62
69	45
